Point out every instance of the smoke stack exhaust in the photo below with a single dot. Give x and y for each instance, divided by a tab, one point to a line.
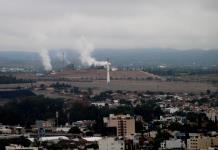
45	59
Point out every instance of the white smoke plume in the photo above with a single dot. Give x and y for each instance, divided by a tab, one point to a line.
85	49
45	59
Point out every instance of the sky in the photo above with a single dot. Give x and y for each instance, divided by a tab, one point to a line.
119	24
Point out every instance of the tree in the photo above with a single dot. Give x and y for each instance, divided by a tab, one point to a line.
29	109
160	137
175	126
148	110
75	130
139	127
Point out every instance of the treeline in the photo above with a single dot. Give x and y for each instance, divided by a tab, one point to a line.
176	71
15	94
25	112
64	86
11	80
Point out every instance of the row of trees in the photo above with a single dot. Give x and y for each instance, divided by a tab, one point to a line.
175	71
29	109
10	80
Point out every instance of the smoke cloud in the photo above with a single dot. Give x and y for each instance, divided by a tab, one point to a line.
44	54
85	49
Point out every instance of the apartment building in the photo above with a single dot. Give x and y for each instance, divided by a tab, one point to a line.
201	142
124	124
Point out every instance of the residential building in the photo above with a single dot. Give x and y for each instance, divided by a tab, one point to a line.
45	124
124	124
201	142
173	144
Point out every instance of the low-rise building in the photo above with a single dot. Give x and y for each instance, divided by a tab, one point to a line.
111	143
18	147
201	142
173	144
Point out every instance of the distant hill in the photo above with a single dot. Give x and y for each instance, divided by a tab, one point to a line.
131	57
160	56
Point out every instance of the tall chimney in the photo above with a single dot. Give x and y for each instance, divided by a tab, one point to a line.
63	61
108	72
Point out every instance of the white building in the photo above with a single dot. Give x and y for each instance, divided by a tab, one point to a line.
172	109
99	104
63	129
18	147
111	143
172	144
53	139
5	130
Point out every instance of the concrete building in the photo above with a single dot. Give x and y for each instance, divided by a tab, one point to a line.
201	142
173	144
111	143
124	124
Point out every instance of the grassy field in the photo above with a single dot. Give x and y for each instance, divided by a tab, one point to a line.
133	85
211	78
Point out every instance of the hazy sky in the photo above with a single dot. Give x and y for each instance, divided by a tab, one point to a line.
180	24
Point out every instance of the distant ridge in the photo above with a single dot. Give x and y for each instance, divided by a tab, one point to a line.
137	57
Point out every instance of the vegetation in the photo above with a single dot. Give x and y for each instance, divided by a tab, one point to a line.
102	96
160	137
75	130
14	94
200	101
149	110
178	71
27	110
12	80
196	122
60	86
19	141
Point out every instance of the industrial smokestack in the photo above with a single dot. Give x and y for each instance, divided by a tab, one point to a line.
108	72
63	61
